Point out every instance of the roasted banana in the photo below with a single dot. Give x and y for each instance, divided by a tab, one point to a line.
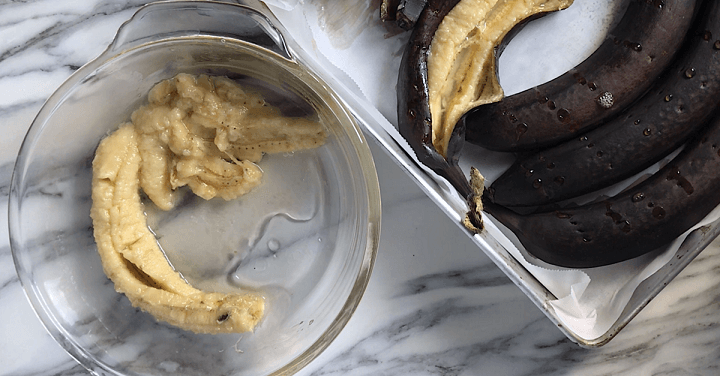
448	67
634	54
639	220
679	102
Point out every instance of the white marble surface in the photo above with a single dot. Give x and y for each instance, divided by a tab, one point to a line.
447	310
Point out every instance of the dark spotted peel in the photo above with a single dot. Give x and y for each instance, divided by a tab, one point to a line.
637	221
634	54
677	104
414	120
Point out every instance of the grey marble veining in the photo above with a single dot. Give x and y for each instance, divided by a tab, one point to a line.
435	304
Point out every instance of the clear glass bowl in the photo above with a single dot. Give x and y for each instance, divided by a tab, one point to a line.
306	238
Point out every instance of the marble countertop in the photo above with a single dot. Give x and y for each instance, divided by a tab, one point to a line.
448	310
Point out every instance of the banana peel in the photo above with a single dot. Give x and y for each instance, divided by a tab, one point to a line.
462	63
449	67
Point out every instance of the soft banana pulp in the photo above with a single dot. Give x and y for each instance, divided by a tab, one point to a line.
462	68
203	132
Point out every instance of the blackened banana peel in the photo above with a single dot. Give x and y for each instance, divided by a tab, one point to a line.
438	146
634	54
639	220
661	208
414	119
635	222
678	103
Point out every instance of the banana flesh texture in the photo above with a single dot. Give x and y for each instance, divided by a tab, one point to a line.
198	131
132	259
206	133
462	62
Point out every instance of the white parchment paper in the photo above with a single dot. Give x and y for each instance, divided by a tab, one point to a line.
349	40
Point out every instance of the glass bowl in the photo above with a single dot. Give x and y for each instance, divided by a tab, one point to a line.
306	239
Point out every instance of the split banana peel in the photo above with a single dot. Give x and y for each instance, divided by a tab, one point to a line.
448	68
462	72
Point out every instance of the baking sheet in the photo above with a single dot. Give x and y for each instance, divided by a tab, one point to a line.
350	43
